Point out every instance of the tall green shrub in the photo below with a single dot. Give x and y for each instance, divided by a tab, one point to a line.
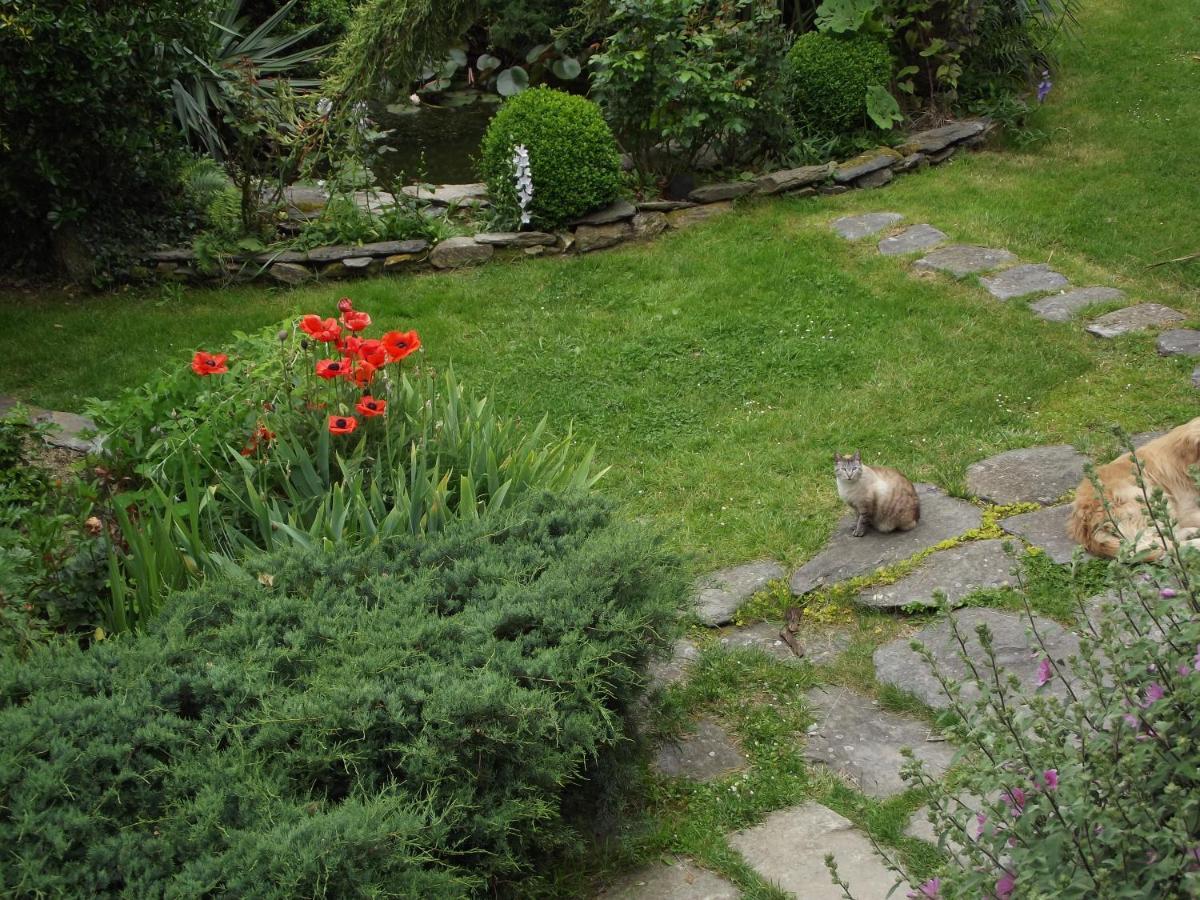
404	721
572	155
87	142
830	76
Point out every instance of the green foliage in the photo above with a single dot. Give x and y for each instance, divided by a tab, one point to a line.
846	16
409	720
572	155
882	107
343	221
330	18
513	26
830	77
87	148
1092	790
691	76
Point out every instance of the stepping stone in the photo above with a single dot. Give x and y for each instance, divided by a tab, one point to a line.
1029	475
857	739
854	228
956	573
664	673
1134	318
1021	280
1046	529
899	665
1064	307
708	753
965	259
962	808
845	556
1180	342
680	880
911	240
69	432
788	849
820	647
720	594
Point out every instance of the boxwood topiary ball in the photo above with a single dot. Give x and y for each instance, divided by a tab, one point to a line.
829	79
573	155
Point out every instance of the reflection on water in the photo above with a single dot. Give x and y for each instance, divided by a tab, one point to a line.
437	144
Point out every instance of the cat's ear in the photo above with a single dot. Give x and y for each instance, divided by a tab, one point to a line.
858	456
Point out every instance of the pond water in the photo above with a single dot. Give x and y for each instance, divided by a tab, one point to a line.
435	142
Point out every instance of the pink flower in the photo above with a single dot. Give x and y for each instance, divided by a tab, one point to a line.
980	821
930	889
1005	885
1131	720
1045	670
1050	779
1015	799
1166	593
1154	693
1185	669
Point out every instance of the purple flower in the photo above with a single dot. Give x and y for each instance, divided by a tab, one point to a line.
1015	799
1050	779
930	889
1045	670
1166	593
1131	720
980	821
1043	88
1005	885
1154	693
1185	669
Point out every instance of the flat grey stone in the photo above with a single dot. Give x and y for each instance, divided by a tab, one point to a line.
358	263
1029	475
680	880
517	239
845	556
954	573
936	139
290	273
963	808
1064	307
616	212
854	228
1142	438
333	253
720	594
1046	529
856	738
6	404
456	252
793	179
178	254
865	164
910	163
911	240
938	157
1020	281
648	225
70	428
391	248
788	849
683	218
1134	318
714	193
446	194
820	647
706	754
897	664
664	673
965	259
1196	377
1179	342
599	237
876	179
665	206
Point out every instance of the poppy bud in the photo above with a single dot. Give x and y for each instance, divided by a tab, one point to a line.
345	305
304	343
282	336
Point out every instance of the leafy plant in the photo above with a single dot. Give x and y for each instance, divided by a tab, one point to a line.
882	107
572	154
848	16
831	79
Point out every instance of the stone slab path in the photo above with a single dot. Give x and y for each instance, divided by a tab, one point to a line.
720	594
708	753
965	259
788	849
820	647
855	228
862	742
1046	529
953	573
1179	342
913	239
681	880
664	673
1020	281
1030	475
845	556
1064	307
1141	317
897	664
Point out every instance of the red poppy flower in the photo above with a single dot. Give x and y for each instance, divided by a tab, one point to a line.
363	373
262	435
370	407
333	368
209	363
355	321
374	352
342	424
349	345
400	343
345	305
320	329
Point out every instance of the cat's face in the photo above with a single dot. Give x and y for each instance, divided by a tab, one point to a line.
848	467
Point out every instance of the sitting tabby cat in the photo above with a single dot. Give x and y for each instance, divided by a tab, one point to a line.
882	497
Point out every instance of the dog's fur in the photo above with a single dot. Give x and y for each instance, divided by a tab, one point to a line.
1165	463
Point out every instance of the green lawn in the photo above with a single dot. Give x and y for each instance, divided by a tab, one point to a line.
718	369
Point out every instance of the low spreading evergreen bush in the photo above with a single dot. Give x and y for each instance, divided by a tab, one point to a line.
572	155
829	79
408	720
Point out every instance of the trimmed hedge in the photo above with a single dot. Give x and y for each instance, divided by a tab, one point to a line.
573	155
407	720
829	79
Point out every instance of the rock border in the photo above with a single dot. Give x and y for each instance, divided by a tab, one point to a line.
617	224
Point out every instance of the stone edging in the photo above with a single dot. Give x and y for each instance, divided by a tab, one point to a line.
619	223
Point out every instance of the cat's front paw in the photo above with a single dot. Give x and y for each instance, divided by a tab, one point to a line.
859	531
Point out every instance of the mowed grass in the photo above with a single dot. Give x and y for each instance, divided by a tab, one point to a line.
718	369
